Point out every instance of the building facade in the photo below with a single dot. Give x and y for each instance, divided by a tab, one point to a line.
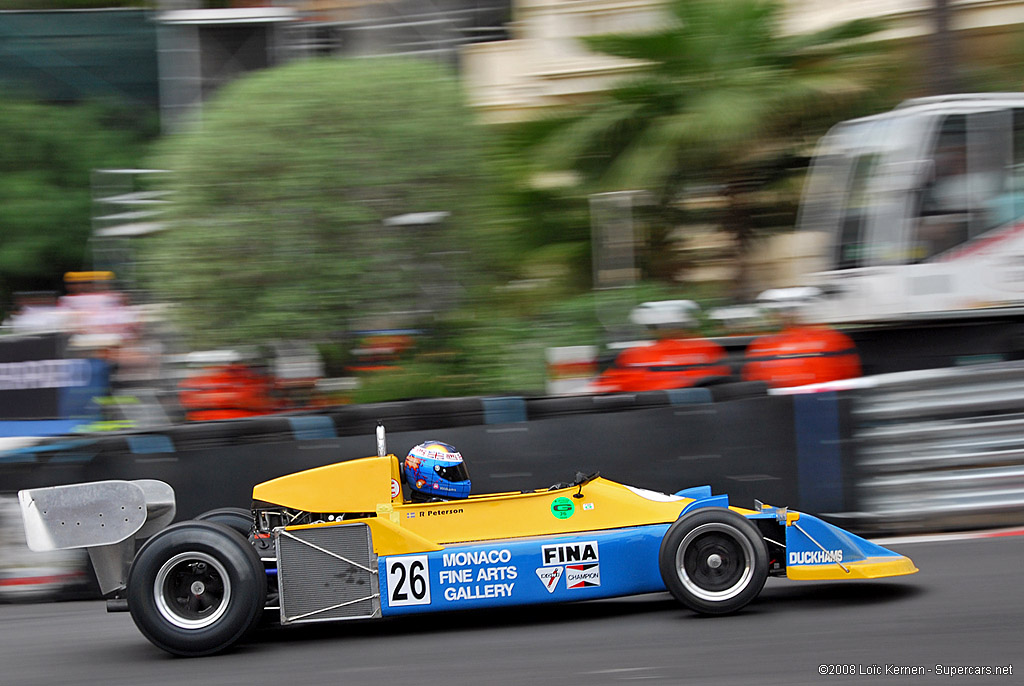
544	64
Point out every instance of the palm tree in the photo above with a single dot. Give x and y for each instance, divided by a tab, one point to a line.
721	102
942	76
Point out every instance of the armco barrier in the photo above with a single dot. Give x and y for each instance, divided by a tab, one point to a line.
940	449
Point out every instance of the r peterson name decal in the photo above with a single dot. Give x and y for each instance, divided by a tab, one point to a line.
439	513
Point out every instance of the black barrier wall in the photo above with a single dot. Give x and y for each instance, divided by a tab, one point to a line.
766	447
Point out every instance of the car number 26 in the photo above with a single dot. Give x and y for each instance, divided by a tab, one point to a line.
408	580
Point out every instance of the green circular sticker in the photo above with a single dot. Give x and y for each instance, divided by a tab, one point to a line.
562	508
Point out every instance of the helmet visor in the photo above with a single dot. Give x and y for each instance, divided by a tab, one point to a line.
455	472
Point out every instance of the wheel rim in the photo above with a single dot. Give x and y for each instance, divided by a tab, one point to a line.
715	562
192	590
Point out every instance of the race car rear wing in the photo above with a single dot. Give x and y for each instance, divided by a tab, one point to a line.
104	517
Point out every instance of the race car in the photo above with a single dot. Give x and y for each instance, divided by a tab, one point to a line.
342	542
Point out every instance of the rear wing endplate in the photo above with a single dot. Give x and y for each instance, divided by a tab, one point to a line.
104	517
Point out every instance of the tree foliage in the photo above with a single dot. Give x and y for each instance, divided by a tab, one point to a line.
281	198
35	5
725	101
721	83
46	158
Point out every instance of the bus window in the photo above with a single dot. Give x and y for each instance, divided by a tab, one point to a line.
1010	205
989	164
961	199
837	196
821	209
852	237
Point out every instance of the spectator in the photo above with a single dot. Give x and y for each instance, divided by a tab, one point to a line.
677	359
37	312
799	353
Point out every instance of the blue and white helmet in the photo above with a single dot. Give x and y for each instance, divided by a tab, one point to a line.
436	469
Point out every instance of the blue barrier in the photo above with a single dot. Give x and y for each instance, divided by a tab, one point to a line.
312	427
147	444
818	454
504	410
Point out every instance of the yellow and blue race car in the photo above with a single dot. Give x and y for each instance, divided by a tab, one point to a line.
343	542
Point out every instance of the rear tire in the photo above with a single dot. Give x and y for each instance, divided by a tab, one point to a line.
235	517
713	561
196	588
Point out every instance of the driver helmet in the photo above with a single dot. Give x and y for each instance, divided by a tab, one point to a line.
436	469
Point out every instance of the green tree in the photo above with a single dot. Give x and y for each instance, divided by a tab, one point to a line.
24	5
46	158
725	101
282	198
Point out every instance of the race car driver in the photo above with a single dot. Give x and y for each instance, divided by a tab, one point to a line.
435	471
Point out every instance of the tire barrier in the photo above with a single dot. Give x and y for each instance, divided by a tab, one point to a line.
663	440
923	450
940	449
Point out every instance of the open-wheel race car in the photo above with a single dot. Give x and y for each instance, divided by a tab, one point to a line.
343	542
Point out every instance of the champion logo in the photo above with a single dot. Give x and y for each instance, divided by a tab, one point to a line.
582	576
549	576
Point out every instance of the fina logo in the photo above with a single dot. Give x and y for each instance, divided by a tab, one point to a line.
585	551
815	557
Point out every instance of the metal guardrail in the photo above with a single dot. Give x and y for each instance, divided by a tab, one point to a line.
941	449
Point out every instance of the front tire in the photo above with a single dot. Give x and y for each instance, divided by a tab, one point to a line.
713	561
196	588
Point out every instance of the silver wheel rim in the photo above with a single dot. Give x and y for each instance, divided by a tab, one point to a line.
721	546
192	590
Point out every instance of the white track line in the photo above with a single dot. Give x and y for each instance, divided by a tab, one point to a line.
940	538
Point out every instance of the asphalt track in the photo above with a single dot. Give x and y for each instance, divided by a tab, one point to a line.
965	608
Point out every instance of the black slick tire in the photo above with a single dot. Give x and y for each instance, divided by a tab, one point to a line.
196	588
238	519
713	561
